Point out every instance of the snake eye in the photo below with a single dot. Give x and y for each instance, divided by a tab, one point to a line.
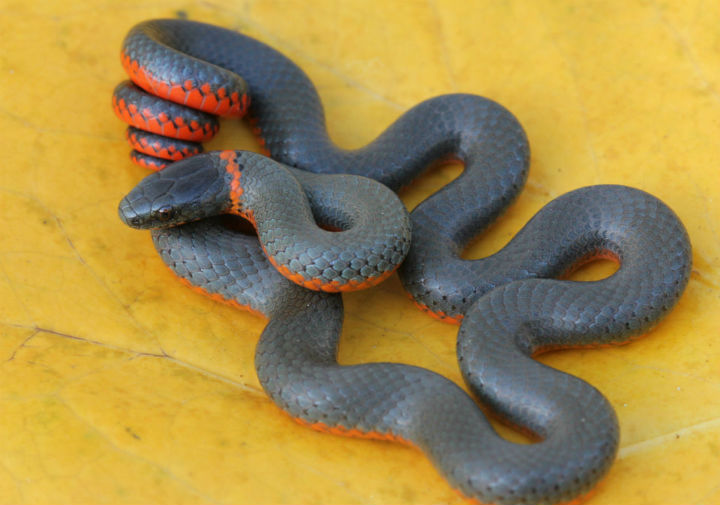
165	213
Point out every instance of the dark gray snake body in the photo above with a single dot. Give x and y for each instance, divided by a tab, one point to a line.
510	304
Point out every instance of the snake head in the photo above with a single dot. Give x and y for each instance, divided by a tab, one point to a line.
191	189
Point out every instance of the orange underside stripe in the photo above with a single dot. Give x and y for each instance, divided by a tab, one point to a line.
219	298
439	315
145	163
574	501
236	190
234	105
257	133
375	435
162	124
351	432
156	149
328	287
602	255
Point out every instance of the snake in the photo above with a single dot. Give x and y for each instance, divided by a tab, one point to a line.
511	305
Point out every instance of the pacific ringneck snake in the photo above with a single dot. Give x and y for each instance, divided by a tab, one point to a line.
511	305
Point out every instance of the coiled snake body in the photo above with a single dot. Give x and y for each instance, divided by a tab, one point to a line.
511	304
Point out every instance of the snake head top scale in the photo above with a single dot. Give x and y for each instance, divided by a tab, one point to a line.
188	190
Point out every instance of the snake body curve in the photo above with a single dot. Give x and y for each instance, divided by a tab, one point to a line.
509	303
372	228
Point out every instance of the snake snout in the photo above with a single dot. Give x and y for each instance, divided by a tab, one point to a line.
129	214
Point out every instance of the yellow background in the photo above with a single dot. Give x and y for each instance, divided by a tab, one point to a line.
120	385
